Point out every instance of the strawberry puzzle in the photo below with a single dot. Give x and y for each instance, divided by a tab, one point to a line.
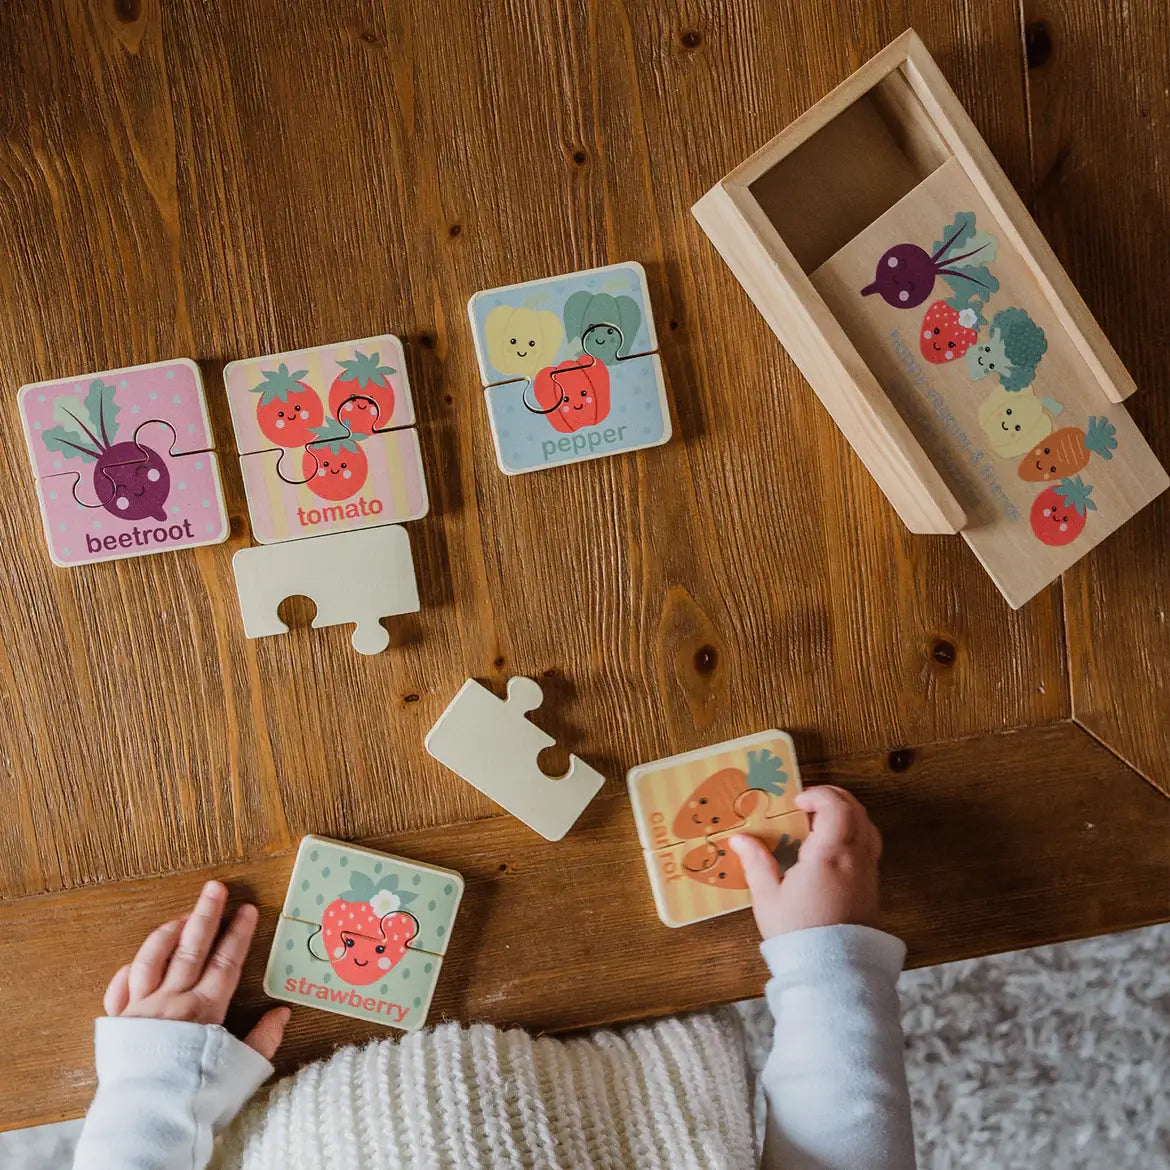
362	933
686	807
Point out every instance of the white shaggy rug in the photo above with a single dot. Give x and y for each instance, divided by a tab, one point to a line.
1056	1058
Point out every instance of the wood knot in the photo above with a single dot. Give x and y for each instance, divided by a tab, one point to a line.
427	340
580	157
706	659
943	652
1037	44
127	11
691	39
900	759
411	698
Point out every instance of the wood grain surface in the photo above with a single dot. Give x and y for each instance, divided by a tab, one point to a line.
223	180
1101	192
1006	845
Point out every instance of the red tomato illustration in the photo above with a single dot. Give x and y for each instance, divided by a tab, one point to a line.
289	410
335	467
361	395
1060	513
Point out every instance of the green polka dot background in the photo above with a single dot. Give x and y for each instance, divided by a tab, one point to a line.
363	933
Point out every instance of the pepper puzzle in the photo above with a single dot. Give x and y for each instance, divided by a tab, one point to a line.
569	367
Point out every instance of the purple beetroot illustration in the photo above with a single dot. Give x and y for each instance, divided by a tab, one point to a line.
130	480
906	273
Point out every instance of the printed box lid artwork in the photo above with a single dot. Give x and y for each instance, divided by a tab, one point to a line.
951	321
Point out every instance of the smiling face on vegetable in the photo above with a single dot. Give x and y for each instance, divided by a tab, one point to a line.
522	341
988	357
1014	421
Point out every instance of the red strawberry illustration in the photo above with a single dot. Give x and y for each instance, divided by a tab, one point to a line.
365	930
947	332
1060	513
288	409
361	395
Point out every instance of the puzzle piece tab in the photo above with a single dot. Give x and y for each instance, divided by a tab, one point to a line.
695	881
351	576
714	789
568	367
362	933
489	743
122	462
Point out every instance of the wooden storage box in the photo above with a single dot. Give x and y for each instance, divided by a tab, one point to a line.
891	256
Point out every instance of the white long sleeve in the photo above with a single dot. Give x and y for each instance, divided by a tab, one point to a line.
165	1089
836	1077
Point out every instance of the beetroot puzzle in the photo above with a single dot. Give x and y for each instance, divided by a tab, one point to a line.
123	462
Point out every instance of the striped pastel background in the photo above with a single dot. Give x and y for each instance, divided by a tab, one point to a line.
688	898
395	477
321	362
663	786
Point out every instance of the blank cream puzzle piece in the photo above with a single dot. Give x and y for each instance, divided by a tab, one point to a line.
357	576
489	743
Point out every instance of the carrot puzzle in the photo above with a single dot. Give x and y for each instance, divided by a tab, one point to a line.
686	807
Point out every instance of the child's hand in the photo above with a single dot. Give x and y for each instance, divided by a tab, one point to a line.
177	976
835	879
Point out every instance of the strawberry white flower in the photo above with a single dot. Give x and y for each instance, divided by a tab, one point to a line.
385	902
968	318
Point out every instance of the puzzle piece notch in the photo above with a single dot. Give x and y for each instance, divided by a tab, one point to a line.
401	998
518	337
692	882
358	576
713	789
373	890
359	386
490	743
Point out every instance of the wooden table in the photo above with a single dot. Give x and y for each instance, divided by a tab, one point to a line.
220	180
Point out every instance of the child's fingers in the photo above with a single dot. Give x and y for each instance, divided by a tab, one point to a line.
150	963
199	933
222	975
265	1038
117	993
835	814
761	870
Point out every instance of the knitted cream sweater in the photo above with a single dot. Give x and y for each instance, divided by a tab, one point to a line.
670	1095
